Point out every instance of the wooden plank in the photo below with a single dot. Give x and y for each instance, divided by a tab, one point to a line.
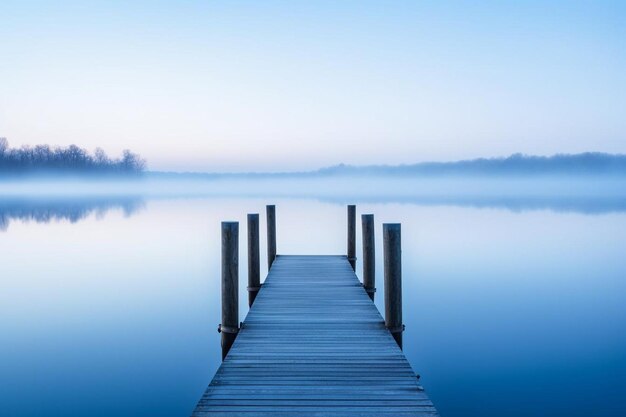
314	344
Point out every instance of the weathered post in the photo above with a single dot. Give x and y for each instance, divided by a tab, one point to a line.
271	234
352	236
254	275
369	258
230	285
393	280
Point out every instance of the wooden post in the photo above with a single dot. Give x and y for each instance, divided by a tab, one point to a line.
393	280
352	236
369	258
271	235
254	275
230	285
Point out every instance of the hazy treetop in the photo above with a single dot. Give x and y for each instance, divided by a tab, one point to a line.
44	159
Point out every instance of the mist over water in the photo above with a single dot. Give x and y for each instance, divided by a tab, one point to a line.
587	194
71	209
513	290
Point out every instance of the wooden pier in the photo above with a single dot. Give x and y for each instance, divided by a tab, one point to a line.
314	344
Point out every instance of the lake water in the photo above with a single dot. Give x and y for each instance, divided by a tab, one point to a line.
513	306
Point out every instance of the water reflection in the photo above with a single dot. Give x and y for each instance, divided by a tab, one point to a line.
66	200
578	204
500	305
45	210
75	209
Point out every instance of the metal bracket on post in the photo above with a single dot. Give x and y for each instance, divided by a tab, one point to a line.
252	292
397	329
227	329
370	290
396	333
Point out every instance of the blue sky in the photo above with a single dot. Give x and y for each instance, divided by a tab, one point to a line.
284	85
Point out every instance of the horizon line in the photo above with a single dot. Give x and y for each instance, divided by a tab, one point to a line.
329	169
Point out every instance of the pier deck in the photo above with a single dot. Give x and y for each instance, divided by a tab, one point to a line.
314	344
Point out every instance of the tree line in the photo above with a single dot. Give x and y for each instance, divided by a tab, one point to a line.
588	163
44	159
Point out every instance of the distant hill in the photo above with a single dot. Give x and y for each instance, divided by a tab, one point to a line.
590	163
583	164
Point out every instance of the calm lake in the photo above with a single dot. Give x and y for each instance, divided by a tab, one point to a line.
513	306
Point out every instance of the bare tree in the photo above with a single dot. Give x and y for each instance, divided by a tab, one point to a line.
72	159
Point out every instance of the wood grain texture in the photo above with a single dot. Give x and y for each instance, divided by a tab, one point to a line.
254	263
369	254
392	260
230	285
270	215
314	344
352	236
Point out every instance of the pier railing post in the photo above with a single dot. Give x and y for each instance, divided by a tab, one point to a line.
230	285
271	234
393	280
352	236
254	275
369	258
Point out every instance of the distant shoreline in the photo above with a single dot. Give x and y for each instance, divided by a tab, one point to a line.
517	165
72	161
587	164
